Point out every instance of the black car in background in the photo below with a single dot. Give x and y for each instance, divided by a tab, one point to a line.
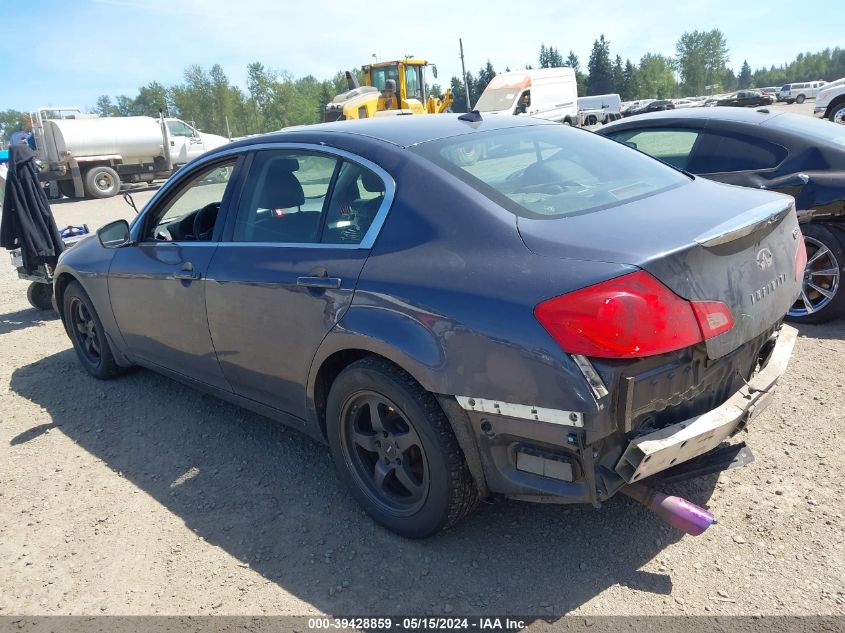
746	99
658	105
793	154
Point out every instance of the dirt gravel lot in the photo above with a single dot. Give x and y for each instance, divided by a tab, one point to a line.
142	496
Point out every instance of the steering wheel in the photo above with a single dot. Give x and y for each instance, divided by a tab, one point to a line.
204	221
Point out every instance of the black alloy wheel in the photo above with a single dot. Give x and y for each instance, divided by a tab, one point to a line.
394	447
85	331
386	454
87	334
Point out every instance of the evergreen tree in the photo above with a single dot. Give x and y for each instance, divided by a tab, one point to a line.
600	68
544	56
618	75
744	79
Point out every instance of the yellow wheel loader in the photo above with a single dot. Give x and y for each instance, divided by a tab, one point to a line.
394	87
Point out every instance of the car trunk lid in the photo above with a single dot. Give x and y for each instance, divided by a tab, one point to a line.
704	241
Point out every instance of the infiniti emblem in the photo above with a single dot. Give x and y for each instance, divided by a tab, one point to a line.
764	258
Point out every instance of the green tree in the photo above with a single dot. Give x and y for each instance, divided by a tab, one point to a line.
618	75
573	63
630	87
11	121
702	59
744	79
485	76
656	77
104	106
544	56
459	102
729	81
600	68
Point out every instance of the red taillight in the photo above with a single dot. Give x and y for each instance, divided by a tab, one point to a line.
800	258
631	316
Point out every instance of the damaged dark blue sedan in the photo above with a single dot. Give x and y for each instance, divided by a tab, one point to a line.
460	308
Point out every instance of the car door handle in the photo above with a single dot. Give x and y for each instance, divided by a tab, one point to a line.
189	275
318	282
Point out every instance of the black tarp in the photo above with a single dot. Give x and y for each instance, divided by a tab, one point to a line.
27	221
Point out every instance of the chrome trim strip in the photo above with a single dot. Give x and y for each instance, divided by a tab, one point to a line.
369	237
592	377
523	411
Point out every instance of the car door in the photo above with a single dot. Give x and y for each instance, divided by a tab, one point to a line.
288	265
157	285
185	143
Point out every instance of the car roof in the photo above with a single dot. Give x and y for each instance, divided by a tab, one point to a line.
402	130
740	115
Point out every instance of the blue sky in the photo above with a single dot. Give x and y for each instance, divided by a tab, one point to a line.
69	52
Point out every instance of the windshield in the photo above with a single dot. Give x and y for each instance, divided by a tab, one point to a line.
550	171
381	75
497	99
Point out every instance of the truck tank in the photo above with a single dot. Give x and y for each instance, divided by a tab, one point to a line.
136	139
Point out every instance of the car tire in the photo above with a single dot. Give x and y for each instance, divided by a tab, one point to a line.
102	182
87	334
40	296
395	449
790	101
800	99
822	297
837	113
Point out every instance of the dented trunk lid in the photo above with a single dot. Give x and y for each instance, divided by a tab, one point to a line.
703	240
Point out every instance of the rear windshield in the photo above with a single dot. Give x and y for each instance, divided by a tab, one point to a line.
825	132
551	171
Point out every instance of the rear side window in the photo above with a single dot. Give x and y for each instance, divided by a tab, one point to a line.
725	153
673	146
550	171
307	198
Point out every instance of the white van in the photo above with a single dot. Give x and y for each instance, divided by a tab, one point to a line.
600	108
799	92
547	93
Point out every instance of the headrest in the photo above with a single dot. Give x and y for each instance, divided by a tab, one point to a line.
371	181
281	189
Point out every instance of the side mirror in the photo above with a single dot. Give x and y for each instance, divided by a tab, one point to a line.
114	234
434	70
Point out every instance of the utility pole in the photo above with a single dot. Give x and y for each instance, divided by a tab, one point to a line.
464	71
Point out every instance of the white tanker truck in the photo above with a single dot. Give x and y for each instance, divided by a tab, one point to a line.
85	155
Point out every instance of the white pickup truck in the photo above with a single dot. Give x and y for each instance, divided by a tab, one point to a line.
830	102
86	155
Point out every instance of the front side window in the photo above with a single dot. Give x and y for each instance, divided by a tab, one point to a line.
179	128
673	146
549	171
191	213
293	197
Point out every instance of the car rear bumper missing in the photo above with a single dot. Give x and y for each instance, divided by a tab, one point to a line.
677	443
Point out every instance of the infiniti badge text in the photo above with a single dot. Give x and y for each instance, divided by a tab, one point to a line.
768	289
